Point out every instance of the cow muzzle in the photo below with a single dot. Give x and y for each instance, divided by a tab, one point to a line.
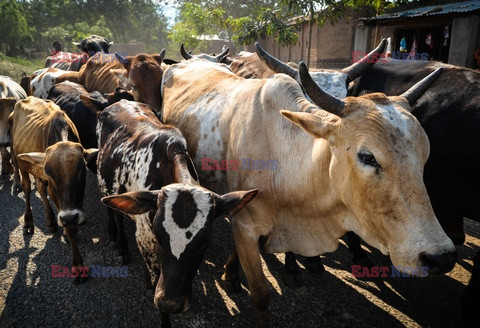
172	305
439	263
68	218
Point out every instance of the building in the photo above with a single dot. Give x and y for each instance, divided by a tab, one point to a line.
447	32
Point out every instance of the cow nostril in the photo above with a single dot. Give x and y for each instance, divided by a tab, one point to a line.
438	264
172	306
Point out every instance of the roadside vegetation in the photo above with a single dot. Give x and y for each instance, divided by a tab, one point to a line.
14	67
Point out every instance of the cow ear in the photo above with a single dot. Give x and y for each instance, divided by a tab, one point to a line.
231	203
77	44
90	156
191	168
316	126
34	163
93	104
133	202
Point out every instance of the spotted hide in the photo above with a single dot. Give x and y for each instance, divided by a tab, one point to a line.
356	166
45	144
147	162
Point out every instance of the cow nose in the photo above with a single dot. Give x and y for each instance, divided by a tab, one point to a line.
438	264
172	305
69	219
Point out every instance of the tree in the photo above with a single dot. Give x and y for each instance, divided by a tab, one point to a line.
14	27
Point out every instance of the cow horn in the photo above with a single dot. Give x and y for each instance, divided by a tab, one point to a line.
355	70
417	90
223	54
274	64
162	54
321	98
185	54
121	59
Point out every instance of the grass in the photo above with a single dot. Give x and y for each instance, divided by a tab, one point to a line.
14	67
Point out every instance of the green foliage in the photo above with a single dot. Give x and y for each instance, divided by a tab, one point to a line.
269	22
30	27
196	21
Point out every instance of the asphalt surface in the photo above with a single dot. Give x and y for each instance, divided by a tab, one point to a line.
31	297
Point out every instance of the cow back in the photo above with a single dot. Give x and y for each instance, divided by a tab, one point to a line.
37	124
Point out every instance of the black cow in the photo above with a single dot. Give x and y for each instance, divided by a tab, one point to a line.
449	111
148	164
81	107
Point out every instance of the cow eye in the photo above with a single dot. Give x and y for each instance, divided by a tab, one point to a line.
367	158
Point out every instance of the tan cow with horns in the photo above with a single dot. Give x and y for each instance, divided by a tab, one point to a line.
356	166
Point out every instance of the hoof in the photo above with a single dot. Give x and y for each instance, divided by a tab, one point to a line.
28	230
52	229
292	281
314	265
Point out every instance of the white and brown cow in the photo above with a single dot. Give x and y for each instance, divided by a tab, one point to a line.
10	93
361	171
148	163
46	145
42	80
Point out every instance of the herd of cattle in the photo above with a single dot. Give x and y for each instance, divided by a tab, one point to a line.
388	152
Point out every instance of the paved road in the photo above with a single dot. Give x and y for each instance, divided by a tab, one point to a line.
30	296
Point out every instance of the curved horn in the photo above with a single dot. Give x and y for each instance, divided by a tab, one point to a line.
223	54
121	59
274	64
321	98
355	70
162	54
417	90
185	54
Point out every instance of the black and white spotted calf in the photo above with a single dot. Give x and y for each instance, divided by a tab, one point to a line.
147	163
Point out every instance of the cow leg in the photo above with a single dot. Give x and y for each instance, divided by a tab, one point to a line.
470	298
28	217
49	215
230	276
121	239
7	167
355	246
249	255
77	261
291	274
16	175
111	229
